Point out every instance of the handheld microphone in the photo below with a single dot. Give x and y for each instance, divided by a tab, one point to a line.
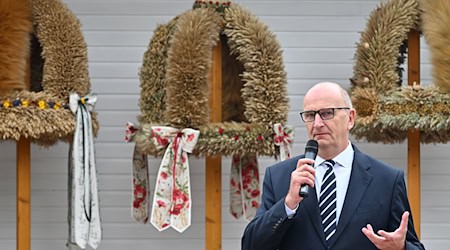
310	153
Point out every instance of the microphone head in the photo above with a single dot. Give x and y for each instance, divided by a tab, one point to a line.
312	146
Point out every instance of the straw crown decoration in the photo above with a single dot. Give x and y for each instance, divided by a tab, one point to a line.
175	81
386	110
42	113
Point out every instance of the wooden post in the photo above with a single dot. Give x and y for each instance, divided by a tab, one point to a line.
23	183
23	187
23	194
414	134
213	202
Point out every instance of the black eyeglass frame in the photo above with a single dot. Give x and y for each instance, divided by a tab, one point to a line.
319	112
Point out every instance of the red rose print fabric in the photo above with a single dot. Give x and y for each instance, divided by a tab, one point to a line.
140	199
172	199
284	136
245	194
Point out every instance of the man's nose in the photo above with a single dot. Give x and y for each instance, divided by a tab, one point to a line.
318	121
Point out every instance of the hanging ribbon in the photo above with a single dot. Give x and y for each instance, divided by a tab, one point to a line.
84	212
283	138
172	198
140	201
130	132
245	194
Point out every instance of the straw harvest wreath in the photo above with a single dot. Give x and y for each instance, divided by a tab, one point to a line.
386	109
174	81
175	91
58	105
58	67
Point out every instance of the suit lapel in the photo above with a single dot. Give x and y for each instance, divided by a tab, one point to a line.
311	206
359	181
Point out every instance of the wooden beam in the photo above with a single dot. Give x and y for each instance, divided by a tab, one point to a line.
213	174
414	134
23	184
23	194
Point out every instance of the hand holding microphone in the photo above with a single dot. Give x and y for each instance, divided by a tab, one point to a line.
303	175
310	153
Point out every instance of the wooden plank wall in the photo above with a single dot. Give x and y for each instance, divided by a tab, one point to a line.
318	39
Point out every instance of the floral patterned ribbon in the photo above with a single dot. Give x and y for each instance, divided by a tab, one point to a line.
283	138
172	198
140	201
130	132
245	192
84	212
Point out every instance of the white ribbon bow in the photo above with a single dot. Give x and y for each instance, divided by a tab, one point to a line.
87	102
84	212
172	198
283	138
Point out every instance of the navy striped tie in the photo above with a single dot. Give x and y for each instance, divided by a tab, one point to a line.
327	202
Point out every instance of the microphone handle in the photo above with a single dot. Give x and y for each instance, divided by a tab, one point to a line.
304	191
310	153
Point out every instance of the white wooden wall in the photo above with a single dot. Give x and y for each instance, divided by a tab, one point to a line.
318	38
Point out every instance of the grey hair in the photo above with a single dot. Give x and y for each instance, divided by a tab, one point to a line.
346	97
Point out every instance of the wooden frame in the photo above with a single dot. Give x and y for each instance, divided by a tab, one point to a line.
23	186
213	175
414	134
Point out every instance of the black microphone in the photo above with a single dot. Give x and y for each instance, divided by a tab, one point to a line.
310	153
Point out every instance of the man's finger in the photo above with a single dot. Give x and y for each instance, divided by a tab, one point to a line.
404	223
385	235
370	234
305	161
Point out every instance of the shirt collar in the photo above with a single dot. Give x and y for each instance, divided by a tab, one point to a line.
345	158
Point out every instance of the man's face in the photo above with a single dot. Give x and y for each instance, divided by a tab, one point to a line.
333	134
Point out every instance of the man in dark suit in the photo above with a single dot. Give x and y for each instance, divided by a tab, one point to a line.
355	201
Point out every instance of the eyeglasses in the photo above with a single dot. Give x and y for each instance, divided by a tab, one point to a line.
325	114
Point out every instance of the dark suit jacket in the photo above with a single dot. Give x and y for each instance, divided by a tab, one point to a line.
376	194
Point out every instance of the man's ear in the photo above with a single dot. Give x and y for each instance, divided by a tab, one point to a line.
351	119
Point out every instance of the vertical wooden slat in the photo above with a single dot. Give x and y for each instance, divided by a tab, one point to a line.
214	163
23	185
414	134
23	194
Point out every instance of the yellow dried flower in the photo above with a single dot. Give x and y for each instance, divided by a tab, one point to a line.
41	104
6	104
56	106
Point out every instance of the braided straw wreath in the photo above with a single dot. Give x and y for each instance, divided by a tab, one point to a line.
58	68
386	109
175	73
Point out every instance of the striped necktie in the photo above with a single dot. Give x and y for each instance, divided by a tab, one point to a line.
327	202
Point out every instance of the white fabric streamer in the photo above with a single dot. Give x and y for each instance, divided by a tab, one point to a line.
84	212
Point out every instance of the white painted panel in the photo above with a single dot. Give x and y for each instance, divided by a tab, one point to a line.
117	38
260	8
116	85
116	54
318	39
117	102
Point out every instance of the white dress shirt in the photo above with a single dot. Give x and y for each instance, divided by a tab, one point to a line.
342	169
